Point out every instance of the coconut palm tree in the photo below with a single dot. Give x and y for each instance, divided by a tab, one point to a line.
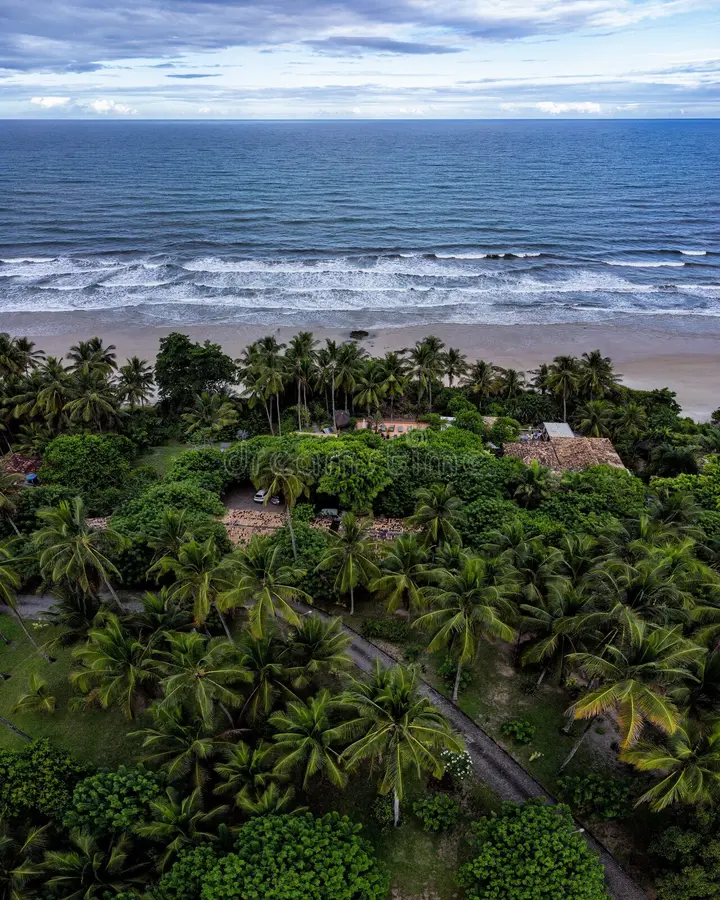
669	461
286	475
20	852
596	378
350	552
437	515
273	801
688	762
160	616
403	571
211	414
511	383
470	606
271	370
394	377
201	674
535	484
426	365
482	379
199	578
28	357
596	418
179	821
37	699
9	484
10	582
454	365
540	379
245	773
71	552
333	353
116	668
347	369
172	531
93	402
53	394
255	577
634	677
396	728
319	646
370	386
135	381
563	377
93	355
630	421
306	740
272	670
300	358
91	870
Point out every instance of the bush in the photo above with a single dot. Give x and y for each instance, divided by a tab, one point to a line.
185	880
395	630
438	812
458	765
30	500
521	731
37	780
504	430
529	852
689	855
112	802
205	468
383	811
595	795
448	672
298	858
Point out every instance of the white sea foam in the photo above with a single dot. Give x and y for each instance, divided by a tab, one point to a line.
27	259
694	252
641	264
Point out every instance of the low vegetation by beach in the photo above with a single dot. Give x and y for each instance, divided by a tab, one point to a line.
189	712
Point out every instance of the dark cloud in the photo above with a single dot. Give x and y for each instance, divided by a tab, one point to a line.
360	46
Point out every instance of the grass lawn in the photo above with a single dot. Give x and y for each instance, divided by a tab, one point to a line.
93	736
162	457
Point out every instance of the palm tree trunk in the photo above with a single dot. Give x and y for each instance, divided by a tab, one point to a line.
29	636
292	535
333	398
17	730
564	404
352	601
542	676
14	526
396	809
5	639
277	397
578	743
225	627
456	686
299	404
430	395
112	592
268	411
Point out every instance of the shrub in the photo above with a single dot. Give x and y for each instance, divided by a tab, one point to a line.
504	430
689	855
529	852
298	858
521	731
595	795
438	812
448	672
185	880
37	780
471	420
458	764
112	802
205	467
382	811
398	631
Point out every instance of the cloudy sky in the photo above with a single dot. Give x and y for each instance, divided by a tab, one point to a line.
359	58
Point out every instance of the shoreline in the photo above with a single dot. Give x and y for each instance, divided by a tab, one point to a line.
687	362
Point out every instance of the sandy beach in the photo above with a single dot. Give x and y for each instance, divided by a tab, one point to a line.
687	363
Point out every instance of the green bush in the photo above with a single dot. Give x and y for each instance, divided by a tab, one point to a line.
521	731
438	812
688	855
395	630
504	430
112	802
383	811
532	851
37	780
298	858
595	795
205	467
448	672
458	765
185	879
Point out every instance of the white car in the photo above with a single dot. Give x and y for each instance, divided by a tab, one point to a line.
260	498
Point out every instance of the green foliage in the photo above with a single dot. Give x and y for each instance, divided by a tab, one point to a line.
437	812
529	852
689	856
504	430
520	730
395	630
597	796
205	467
447	670
32	499
185	880
184	370
113	802
355	475
483	516
298	858
382	811
471	420
458	765
37	780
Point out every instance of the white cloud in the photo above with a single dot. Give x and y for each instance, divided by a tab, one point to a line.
50	102
110	107
557	109
627	107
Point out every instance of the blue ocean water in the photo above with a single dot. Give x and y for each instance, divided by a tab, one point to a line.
362	223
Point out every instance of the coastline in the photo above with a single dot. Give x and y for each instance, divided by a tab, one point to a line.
688	362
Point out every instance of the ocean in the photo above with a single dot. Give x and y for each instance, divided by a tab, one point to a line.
366	224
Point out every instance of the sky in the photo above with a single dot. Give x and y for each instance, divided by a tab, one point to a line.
365	59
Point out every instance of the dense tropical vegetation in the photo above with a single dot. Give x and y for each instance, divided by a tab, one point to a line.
249	723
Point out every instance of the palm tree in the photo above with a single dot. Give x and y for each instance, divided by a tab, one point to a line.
437	515
210	415
160	615
93	355
426	361
53	395
688	761
349	363
370	386
319	647
454	364
596	377
396	728
180	745
136	381
635	675
90	870
630	421
403	570
350	552
541	378
20	850
271	370
563	378
117	669
246	772
93	402
535	484
482	379
9	483
28	357
257	578
300	358
668	461
37	698
305	739
331	348
471	606
596	418
200	673
273	801
394	374
199	577
179	822
10	582
272	671
286	475
70	552
512	383
172	531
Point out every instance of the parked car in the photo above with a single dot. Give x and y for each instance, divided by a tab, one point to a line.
260	498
